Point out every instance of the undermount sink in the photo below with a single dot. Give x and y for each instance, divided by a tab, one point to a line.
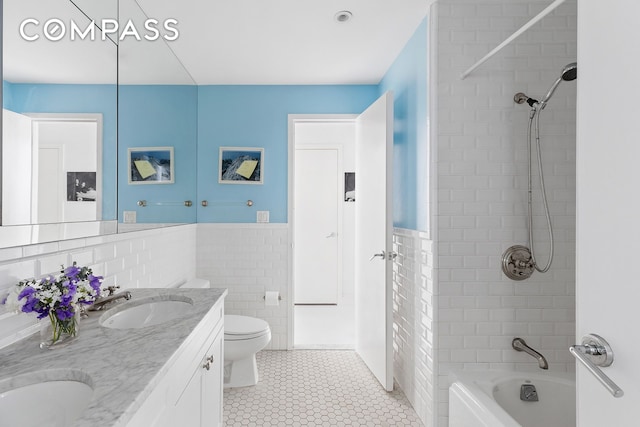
47	398
146	312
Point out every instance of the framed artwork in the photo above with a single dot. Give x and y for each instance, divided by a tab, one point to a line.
151	165
81	187
241	165
349	186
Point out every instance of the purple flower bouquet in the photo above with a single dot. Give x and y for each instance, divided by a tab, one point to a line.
58	298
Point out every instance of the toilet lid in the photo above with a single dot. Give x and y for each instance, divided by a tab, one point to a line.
244	325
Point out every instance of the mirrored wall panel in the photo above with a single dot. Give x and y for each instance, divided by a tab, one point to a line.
59	133
157	107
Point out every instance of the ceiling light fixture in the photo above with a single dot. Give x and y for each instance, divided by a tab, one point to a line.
343	16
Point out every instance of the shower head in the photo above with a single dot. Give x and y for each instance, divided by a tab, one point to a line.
569	73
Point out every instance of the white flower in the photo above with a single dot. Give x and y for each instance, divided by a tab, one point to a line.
12	302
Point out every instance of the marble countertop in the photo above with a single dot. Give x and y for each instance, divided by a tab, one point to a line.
122	366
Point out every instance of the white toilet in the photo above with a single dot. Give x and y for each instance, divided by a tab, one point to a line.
244	336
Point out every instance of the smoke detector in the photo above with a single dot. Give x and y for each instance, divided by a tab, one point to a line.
343	16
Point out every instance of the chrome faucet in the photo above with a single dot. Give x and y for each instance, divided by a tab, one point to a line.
111	297
519	344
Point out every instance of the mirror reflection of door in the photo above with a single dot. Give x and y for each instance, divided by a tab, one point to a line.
48	175
53	77
75	141
56	170
16	168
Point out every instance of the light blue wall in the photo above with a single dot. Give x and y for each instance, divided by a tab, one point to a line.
196	121
7	95
159	116
60	98
256	116
407	78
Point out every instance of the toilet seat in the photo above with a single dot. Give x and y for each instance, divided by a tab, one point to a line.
238	328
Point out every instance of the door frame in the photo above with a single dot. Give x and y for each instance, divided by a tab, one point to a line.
37	118
292	120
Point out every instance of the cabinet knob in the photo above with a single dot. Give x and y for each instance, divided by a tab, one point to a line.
209	360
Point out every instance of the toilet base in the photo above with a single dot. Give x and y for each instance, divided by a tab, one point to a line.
241	373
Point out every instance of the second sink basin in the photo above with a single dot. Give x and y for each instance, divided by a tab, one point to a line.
146	312
46	398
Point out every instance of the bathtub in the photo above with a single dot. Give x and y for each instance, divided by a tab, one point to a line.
492	399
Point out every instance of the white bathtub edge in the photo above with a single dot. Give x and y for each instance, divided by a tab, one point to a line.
469	405
471	401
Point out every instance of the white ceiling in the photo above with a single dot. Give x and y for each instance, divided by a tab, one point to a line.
44	61
235	42
289	41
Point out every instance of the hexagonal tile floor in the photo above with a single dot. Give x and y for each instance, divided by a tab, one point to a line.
316	388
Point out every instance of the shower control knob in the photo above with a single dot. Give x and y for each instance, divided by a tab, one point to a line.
517	263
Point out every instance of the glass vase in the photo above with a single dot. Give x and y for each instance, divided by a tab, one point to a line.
56	333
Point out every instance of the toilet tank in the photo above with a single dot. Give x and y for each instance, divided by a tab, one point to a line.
196	283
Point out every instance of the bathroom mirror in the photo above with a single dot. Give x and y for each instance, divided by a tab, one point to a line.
59	133
157	108
159	102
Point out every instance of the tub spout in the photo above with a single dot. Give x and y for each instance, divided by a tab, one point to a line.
519	344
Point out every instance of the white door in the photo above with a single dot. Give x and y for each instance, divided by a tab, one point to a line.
16	145
77	142
51	188
608	205
374	235
317	191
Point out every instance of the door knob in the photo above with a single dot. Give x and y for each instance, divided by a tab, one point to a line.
332	234
384	255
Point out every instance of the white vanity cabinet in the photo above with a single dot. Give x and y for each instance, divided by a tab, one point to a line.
189	390
200	403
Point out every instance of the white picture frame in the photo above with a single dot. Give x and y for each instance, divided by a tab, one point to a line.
151	165
241	165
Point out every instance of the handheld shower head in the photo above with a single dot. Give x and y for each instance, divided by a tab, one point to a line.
569	73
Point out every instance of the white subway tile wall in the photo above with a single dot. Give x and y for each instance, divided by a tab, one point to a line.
413	323
248	260
481	190
155	258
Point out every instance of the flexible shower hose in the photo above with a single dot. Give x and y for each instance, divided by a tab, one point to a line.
535	114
